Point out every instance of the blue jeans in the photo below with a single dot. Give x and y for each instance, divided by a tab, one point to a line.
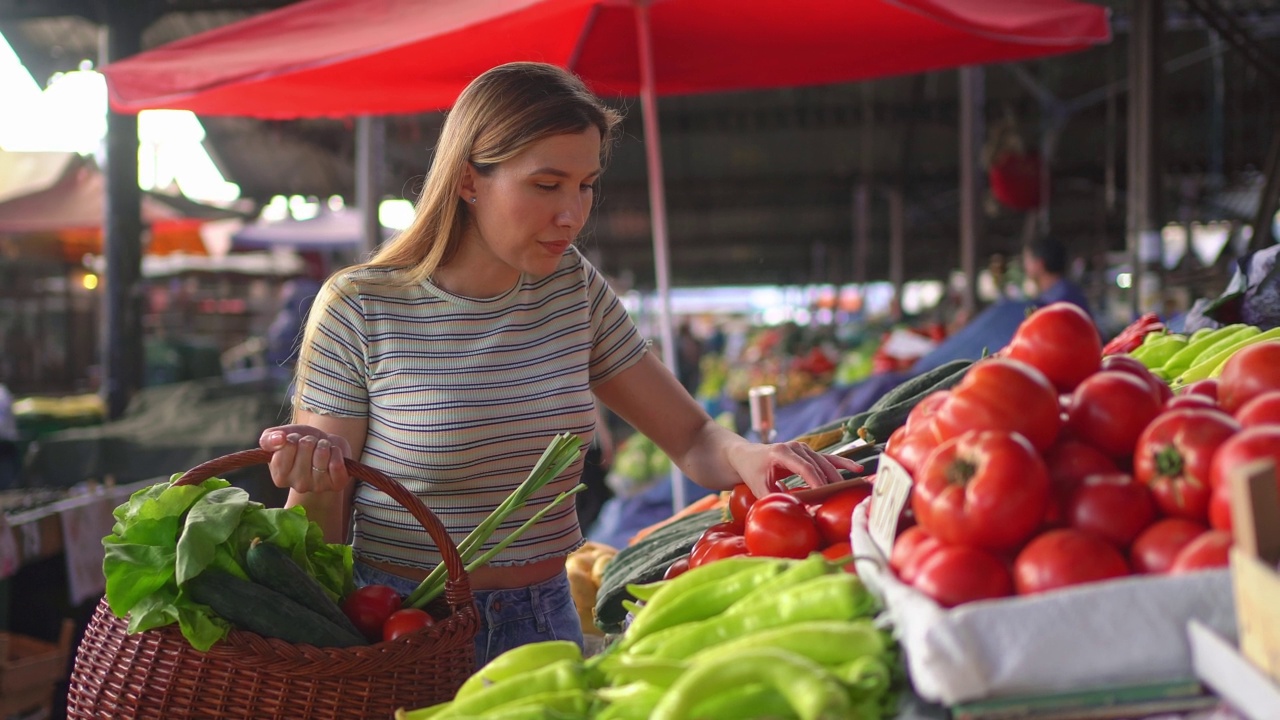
508	618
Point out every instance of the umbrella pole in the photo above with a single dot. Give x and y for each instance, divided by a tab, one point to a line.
657	211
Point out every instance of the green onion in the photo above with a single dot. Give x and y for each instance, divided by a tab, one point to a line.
558	456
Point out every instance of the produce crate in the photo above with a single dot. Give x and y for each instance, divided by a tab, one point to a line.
1255	512
1121	633
29	668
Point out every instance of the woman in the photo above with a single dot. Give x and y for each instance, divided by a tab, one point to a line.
452	358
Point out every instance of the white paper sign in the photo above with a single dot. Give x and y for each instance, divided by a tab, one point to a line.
890	497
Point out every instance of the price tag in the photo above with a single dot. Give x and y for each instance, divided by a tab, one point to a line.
892	491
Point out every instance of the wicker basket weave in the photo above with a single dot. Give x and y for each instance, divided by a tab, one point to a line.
156	674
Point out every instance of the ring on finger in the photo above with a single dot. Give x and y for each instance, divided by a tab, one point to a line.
319	470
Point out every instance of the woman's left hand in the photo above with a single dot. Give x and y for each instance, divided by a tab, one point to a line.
761	467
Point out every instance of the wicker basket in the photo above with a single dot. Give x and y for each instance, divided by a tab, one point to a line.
157	674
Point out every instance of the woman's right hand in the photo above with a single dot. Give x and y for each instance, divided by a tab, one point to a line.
306	459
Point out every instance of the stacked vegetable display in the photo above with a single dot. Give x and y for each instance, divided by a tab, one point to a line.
1051	466
742	638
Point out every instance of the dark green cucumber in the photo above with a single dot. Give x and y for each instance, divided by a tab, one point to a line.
881	423
270	565
915	386
259	609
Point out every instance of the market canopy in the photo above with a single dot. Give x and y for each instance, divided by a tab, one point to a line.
356	57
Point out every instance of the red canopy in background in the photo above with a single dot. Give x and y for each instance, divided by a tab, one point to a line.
355	57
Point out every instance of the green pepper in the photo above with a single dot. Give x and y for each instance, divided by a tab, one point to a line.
707	601
633	701
826	642
816	565
706	575
518	661
812	692
865	677
559	675
752	701
1156	351
830	597
658	672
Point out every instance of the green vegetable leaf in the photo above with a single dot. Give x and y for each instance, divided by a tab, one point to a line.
211	520
134	571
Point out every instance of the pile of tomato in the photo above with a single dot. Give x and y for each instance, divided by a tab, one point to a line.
780	524
378	613
1050	466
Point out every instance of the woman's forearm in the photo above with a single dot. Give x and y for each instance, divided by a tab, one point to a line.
707	462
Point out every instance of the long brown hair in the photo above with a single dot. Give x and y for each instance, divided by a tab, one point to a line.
498	115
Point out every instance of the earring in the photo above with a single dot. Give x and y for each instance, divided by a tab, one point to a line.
473	199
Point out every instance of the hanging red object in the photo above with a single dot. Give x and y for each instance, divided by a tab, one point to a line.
1014	178
354	57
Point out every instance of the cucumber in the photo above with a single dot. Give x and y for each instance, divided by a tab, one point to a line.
915	387
270	565
260	609
881	423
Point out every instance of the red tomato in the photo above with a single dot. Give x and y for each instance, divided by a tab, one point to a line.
840	551
1174	456
1114	507
954	575
1246	446
1263	409
776	528
719	530
910	549
1061	341
1220	508
1070	462
718	548
740	501
677	568
1248	373
1207	387
1155	549
1194	401
1133	366
1061	558
369	607
998	394
835	515
923	411
1212	549
984	489
911	448
403	622
1109	410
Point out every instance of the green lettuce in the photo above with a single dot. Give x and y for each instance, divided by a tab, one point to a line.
164	535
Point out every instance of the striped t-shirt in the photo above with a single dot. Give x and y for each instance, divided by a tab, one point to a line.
463	396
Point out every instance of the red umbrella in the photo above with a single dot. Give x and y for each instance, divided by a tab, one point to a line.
356	57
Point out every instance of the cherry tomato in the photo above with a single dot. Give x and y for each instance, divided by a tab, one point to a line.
1207	387
1156	548
717	548
835	514
1263	409
998	394
778	528
839	551
1115	507
986	489
1109	410
910	448
1061	341
910	549
403	622
369	607
719	530
1248	373
740	501
677	568
954	575
1061	558
1212	549
1070	462
1174	457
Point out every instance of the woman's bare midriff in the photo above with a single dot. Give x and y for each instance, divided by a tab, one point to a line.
488	577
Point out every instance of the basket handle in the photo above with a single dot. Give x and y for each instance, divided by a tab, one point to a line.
457	588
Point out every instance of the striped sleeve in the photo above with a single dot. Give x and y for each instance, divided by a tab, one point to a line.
333	375
616	344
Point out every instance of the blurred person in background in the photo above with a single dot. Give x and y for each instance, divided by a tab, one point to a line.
1045	264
